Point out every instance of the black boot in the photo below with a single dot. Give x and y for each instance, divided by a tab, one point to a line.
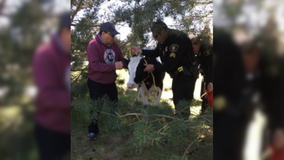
93	127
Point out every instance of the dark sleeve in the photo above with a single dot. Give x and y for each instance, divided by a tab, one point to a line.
151	53
208	60
177	50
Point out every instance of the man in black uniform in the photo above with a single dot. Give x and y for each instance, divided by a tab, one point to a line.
204	59
177	60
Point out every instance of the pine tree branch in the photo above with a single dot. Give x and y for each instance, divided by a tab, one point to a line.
94	25
160	115
76	78
133	123
204	2
84	69
206	119
138	114
124	44
107	113
77	10
75	70
130	114
199	17
164	127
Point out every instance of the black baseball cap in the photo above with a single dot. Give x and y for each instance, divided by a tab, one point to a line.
158	26
109	27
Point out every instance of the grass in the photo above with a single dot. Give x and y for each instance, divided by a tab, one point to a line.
143	137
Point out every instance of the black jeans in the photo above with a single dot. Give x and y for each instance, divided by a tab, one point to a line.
183	88
52	145
98	91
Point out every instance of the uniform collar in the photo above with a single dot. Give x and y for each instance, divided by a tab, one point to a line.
202	49
169	36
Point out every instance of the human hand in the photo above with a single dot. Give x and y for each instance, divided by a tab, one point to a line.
210	87
149	68
118	65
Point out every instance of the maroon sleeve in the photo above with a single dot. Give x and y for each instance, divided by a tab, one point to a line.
51	94
95	62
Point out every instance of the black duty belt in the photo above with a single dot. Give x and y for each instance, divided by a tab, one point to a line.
183	70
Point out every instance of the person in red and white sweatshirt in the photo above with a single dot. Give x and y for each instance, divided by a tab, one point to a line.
105	57
51	72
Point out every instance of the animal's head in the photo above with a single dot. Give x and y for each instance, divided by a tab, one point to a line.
136	71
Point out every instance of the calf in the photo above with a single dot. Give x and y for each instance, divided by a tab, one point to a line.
144	80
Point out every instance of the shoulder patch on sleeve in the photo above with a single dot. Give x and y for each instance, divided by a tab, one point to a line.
207	52
173	55
173	47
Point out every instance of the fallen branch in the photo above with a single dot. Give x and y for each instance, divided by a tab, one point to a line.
190	145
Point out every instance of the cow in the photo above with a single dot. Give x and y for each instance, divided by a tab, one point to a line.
143	81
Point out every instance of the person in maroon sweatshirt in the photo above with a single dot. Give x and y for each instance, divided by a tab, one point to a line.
51	71
104	56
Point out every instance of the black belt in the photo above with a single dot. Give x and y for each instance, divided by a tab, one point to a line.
183	70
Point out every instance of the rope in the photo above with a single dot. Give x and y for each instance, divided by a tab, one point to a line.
129	52
203	95
154	83
153	77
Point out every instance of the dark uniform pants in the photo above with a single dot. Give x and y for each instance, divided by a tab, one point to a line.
204	105
229	137
183	88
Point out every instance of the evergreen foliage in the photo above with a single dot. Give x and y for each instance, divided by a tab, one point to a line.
134	131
